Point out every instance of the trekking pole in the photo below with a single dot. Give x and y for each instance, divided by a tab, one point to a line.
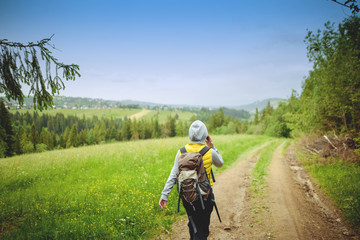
193	224
213	200
217	211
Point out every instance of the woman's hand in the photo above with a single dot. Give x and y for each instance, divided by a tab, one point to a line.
162	203
209	142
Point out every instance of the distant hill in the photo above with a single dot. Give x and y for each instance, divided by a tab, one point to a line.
62	102
141	104
251	108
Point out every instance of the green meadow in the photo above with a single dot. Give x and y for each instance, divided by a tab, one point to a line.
163	115
108	191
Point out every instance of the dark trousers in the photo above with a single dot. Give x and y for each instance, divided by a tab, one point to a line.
199	217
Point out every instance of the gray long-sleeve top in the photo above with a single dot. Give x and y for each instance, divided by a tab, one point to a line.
216	160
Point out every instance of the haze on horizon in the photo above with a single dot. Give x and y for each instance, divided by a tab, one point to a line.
205	52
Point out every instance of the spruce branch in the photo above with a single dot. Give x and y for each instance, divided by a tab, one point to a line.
19	64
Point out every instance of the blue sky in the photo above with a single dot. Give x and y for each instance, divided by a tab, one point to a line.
203	52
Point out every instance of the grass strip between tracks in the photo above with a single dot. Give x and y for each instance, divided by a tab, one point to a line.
258	183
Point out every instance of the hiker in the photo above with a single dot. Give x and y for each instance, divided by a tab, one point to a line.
198	136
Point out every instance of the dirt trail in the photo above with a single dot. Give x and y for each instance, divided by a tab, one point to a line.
298	207
291	207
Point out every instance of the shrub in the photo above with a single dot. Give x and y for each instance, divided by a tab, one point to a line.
41	147
28	147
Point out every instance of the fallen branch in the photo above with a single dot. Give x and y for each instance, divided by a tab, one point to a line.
330	142
311	150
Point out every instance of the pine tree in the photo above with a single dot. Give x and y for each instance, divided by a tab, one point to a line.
180	128
17	144
72	139
43	138
256	118
100	131
134	130
34	136
172	126
165	130
23	140
111	130
65	137
83	135
91	137
6	131
126	130
269	109
217	120
2	147
156	129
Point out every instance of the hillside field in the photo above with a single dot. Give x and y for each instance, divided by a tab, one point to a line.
115	113
102	191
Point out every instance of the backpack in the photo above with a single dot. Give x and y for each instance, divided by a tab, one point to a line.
192	181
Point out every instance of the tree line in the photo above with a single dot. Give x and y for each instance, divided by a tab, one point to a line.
25	133
330	98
